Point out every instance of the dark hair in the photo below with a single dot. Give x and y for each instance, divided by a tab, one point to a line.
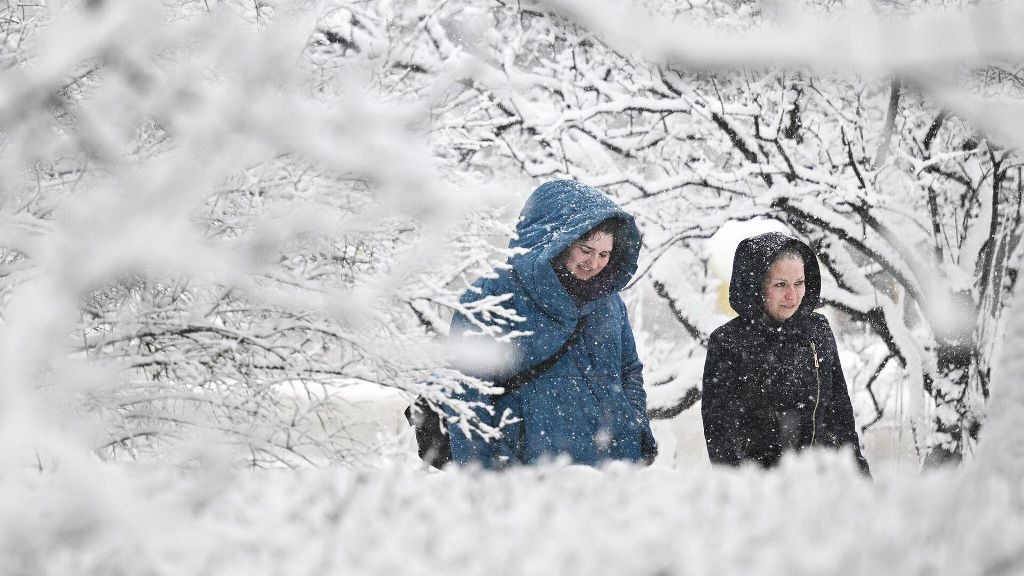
611	226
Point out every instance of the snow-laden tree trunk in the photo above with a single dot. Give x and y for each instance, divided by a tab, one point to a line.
1001	449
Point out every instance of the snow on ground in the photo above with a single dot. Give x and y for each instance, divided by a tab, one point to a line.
814	516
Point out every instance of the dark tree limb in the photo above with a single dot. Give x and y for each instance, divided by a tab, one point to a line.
879	413
890	123
739	144
687	401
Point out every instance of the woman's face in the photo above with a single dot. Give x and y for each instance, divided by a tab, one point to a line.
784	288
587	257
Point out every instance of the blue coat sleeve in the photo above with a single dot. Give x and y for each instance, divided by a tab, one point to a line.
472	449
633	386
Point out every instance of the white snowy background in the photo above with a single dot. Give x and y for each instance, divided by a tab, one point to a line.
232	233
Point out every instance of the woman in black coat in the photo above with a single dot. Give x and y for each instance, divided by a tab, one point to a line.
772	379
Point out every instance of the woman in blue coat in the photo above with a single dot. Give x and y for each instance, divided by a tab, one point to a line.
577	249
772	378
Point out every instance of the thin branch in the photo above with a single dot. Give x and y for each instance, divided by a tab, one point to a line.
739	144
688	399
879	413
890	123
673	305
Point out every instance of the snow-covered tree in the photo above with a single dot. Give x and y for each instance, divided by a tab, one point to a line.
217	214
882	161
205	239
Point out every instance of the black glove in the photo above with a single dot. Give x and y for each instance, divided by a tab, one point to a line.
648	448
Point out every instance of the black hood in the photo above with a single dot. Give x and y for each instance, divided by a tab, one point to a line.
753	257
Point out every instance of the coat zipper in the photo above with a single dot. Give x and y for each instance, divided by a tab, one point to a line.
817	397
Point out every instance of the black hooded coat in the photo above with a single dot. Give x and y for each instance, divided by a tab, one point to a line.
771	386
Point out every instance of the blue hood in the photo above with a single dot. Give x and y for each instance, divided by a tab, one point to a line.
557	214
590	405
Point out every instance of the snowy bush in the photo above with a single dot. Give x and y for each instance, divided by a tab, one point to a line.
816	515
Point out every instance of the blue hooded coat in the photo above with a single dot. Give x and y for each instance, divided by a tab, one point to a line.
771	386
590	405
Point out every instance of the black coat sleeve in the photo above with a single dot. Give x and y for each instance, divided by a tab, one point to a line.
839	421
720	403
